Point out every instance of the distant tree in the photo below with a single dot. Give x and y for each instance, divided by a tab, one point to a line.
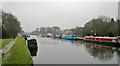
36	32
78	31
118	27
10	25
56	30
0	24
43	31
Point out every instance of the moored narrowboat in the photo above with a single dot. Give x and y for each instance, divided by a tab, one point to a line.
31	42
69	37
113	40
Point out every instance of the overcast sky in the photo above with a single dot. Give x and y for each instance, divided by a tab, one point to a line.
62	14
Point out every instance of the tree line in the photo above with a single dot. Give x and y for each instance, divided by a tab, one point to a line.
45	30
101	26
10	25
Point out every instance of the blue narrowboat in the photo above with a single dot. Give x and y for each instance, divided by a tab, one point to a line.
69	37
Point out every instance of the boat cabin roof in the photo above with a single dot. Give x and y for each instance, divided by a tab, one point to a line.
102	37
30	38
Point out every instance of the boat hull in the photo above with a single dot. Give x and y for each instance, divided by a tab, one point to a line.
104	43
102	40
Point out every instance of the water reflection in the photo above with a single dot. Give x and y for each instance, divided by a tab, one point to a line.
118	53
100	54
49	41
71	41
100	51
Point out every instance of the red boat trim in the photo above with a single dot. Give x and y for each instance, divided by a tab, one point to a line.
102	39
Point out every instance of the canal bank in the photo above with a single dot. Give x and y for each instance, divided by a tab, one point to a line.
18	54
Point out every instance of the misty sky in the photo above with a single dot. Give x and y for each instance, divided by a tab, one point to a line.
62	14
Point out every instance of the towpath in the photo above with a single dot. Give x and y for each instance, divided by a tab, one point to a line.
7	47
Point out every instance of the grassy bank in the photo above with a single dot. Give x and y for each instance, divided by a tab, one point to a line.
4	42
0	43
18	54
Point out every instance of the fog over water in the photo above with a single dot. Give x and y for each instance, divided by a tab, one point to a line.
62	14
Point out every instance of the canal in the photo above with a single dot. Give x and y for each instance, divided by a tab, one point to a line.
56	51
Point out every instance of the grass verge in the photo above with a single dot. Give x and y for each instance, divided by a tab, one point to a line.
18	54
4	42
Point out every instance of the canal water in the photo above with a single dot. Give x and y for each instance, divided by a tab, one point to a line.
56	51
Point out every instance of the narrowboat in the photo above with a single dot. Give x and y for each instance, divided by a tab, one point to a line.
69	37
31	42
32	45
113	40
